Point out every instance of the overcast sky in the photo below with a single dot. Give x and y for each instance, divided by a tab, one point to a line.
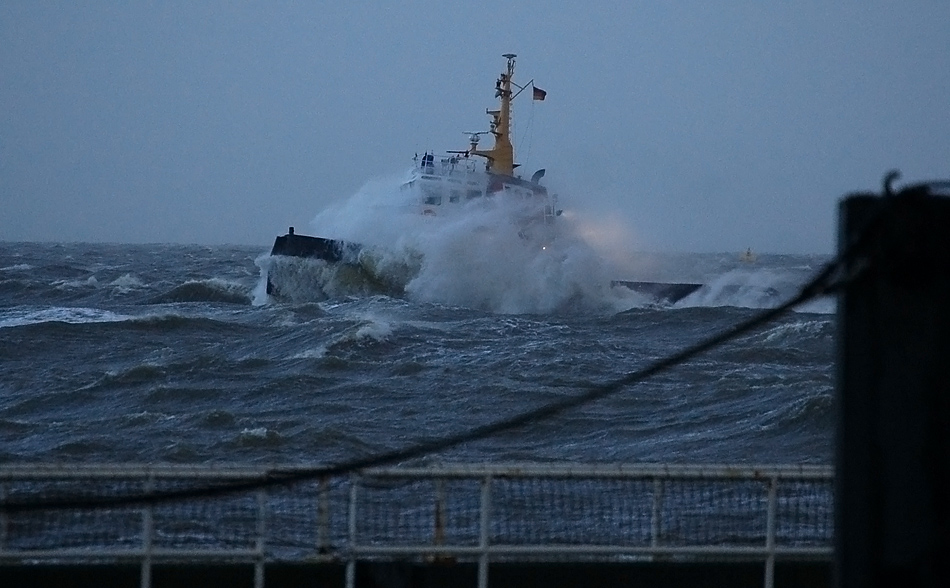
705	126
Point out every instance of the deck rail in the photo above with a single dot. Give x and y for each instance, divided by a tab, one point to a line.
460	512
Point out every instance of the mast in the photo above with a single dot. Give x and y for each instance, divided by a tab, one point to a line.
501	157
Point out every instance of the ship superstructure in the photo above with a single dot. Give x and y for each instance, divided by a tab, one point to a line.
444	184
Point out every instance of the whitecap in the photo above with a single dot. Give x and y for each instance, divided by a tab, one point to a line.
762	288
21	317
315	353
126	283
90	282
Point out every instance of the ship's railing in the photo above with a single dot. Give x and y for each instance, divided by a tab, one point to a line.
476	513
447	165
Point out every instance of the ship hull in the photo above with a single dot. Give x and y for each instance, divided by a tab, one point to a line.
332	251
329	250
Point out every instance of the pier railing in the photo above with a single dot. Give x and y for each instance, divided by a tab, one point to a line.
446	513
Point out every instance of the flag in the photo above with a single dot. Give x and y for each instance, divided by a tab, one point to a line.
538	93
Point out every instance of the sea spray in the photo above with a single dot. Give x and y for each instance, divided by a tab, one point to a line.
497	254
754	287
494	254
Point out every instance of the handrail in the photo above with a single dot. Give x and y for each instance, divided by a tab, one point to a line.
460	470
666	510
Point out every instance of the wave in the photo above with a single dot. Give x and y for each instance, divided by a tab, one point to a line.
209	290
258	437
72	318
814	409
72	287
126	283
19	267
318	352
367	330
134	376
796	332
12	285
19	317
173	320
90	282
759	288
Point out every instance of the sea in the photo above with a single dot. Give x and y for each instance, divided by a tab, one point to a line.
169	353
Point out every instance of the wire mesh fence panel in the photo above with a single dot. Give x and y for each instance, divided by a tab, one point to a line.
218	522
571	511
399	511
535	510
805	514
395	512
460	523
703	512
307	520
104	528
70	529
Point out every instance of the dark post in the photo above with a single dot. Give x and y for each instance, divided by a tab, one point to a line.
893	392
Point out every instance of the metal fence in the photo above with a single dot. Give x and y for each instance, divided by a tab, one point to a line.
476	513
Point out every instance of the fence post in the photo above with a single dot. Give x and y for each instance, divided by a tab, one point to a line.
351	533
4	521
323	516
893	393
656	524
261	538
438	533
772	507
148	534
484	531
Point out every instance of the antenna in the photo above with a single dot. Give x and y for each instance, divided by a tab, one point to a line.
473	136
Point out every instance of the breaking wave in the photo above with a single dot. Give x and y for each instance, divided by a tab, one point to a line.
19	267
482	258
368	330
754	288
90	282
211	290
127	283
23	317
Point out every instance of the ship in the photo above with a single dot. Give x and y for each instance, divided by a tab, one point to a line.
445	186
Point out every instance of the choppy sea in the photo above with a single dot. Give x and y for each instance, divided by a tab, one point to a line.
172	353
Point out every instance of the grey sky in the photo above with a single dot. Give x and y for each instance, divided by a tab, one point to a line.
705	126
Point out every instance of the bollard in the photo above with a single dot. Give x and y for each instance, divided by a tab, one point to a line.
892	464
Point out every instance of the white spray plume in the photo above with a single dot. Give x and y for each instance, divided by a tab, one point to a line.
480	257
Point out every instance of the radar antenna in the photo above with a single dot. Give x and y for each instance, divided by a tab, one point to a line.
473	137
